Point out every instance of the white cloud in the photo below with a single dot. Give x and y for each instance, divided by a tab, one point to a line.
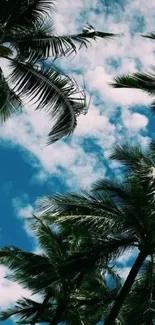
134	121
124	272
11	291
23	210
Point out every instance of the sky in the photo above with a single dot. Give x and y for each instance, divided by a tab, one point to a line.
29	169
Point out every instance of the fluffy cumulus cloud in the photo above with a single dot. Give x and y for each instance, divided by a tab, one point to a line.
113	115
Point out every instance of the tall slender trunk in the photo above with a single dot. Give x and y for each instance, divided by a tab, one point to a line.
125	289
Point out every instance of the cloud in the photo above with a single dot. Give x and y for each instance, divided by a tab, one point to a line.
134	121
24	210
10	291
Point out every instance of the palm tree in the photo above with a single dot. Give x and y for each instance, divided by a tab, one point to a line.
139	306
26	40
65	297
115	215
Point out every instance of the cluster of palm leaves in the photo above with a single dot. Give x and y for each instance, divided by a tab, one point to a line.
81	236
27	40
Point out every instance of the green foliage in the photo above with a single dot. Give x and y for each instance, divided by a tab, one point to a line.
113	217
27	27
68	298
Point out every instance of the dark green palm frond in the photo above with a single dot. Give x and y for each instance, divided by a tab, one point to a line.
151	35
52	91
80	212
95	292
31	270
42	43
29	311
53	244
23	14
141	167
117	190
23	309
130	156
97	253
75	204
10	102
139	80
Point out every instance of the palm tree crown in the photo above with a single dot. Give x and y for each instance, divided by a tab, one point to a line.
65	296
115	216
26	40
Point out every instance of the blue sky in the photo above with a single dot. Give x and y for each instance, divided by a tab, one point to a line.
29	169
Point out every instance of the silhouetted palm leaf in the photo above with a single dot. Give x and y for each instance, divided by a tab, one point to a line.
151	36
43	43
10	102
139	80
117	216
55	93
24	14
69	299
27	28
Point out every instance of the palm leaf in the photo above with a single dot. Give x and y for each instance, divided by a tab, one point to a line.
42	43
139	80
23	14
151	36
24	308
55	93
131	157
10	102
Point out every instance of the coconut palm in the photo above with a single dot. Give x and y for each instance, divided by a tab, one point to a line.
115	215
63	303
139	306
26	39
64	297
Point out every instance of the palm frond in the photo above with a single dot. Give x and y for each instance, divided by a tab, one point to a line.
10	102
80	213
23	309
151	35
53	244
139	80
24	14
117	190
55	93
29	269
131	157
42	43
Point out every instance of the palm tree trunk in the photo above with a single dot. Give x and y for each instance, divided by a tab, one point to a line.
125	289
